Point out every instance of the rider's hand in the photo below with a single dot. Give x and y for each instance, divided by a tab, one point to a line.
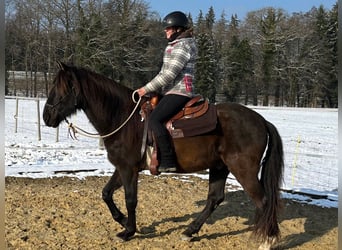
141	91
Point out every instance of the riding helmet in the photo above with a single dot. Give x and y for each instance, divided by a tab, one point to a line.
175	19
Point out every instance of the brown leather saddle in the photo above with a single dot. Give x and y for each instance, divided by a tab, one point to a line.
197	117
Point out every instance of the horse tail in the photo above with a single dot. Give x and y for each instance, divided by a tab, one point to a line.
266	225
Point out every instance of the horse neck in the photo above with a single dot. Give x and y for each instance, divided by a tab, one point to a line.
109	107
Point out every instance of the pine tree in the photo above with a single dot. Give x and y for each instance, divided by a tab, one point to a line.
268	28
206	65
246	68
221	38
332	85
232	88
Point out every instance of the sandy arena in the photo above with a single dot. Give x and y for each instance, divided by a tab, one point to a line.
67	213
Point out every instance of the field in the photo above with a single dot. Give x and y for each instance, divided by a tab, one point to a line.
68	213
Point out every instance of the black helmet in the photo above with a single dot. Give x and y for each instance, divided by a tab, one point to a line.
175	19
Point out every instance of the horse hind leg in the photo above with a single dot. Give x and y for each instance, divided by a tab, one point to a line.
268	243
265	227
217	181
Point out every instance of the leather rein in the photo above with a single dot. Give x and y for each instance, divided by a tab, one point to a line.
73	129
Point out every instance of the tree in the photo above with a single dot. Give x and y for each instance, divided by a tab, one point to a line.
291	59
287	66
129	44
6	82
89	33
66	14
269	27
332	31
232	64
318	58
221	34
247	71
206	65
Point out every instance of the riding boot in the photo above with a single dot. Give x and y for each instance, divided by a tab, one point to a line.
168	162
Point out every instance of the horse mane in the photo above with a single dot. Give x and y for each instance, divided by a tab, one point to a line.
102	93
106	102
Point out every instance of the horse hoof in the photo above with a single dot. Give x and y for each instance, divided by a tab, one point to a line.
267	244
118	239
186	238
124	235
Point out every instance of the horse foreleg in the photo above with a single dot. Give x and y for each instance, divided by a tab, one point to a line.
107	195
129	179
217	181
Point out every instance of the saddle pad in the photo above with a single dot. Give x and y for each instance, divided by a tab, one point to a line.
195	126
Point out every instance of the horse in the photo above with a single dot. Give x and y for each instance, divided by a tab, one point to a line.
243	144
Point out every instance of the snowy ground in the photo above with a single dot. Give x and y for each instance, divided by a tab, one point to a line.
309	137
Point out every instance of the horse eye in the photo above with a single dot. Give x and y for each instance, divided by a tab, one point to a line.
70	83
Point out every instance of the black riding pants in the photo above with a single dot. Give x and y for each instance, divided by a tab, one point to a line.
167	107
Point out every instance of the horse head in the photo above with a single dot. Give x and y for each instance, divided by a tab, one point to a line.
63	98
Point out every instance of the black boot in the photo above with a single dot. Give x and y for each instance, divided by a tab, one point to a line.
168	162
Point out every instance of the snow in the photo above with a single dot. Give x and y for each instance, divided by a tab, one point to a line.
309	138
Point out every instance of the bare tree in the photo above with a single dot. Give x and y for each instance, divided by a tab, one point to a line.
269	58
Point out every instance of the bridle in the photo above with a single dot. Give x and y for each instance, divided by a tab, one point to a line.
73	129
53	106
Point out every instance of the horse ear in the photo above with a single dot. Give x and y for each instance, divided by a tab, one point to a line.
61	65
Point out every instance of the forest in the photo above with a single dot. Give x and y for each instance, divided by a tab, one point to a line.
268	58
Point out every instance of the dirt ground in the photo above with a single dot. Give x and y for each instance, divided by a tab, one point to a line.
67	213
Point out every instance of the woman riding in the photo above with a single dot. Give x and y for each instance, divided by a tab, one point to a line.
174	81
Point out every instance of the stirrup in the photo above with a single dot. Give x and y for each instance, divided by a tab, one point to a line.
167	169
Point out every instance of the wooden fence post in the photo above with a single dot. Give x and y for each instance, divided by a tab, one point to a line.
16	114
38	115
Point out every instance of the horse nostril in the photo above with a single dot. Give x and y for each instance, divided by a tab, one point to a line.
46	117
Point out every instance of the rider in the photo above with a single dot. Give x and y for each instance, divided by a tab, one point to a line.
174	82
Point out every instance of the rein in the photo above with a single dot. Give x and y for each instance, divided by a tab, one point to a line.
73	129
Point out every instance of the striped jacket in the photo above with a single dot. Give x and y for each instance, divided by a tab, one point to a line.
177	72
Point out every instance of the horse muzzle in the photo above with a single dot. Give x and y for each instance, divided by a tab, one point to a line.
50	117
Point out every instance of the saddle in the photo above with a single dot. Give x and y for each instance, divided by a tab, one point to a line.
197	117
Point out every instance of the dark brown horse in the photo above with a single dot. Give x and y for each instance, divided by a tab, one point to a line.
236	146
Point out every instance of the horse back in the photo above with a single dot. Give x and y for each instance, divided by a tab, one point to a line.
239	130
241	127
232	115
